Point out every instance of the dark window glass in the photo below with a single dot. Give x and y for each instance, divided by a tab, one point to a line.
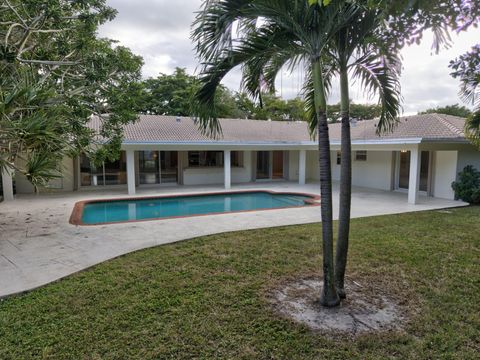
361	155
148	167
205	158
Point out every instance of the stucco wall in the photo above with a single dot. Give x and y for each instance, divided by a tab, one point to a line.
374	173
65	183
468	157
293	158
312	166
445	171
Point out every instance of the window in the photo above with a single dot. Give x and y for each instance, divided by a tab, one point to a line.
148	167
213	158
236	158
339	157
361	155
205	158
108	173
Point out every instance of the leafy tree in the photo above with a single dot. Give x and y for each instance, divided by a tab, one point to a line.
169	94
275	108
290	33
53	64
467	69
227	106
409	19
172	94
455	110
357	111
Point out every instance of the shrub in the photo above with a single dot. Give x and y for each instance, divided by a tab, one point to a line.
467	188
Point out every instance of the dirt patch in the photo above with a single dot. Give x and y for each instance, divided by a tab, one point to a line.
362	312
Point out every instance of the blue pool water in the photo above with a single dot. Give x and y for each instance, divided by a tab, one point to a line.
153	208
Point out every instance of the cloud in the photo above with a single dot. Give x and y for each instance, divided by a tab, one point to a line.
159	31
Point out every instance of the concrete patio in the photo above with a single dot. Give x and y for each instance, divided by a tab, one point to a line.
38	245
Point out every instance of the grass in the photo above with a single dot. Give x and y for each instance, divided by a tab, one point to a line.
208	297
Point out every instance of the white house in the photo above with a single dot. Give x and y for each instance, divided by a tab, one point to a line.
422	155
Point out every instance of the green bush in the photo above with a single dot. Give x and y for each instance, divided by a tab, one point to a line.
467	188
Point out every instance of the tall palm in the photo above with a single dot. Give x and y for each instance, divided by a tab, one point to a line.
274	33
359	49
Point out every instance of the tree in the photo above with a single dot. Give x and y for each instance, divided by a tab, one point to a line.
467	69
358	48
409	19
275	108
171	95
455	110
53	64
290	33
357	111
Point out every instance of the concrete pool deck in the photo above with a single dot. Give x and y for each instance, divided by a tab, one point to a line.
38	245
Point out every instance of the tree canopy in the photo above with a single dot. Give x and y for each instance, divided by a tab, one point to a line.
55	74
455	110
466	68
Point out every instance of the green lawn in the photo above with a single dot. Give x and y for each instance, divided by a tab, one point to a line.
208	297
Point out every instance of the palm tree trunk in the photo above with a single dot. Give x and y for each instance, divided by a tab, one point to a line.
329	295
345	187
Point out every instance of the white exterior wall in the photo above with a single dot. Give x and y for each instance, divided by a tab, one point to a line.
468	157
313	170
374	173
293	159
445	172
65	183
215	175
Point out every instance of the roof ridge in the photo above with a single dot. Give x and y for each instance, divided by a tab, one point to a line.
449	125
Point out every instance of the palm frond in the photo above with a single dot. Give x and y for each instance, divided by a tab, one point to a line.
380	75
472	128
42	167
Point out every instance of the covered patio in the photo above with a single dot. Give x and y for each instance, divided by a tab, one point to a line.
38	245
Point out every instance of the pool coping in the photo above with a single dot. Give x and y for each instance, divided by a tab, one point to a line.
77	212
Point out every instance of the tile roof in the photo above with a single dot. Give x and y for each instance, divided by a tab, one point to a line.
155	128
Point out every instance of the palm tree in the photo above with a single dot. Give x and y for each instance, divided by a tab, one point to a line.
273	34
359	48
466	68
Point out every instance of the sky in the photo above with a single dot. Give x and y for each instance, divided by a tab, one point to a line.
159	31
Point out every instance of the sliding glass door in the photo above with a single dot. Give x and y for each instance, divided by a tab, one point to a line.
263	165
270	165
277	165
169	166
106	173
148	167
158	167
404	170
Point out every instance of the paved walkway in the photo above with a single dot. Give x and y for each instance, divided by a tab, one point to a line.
38	245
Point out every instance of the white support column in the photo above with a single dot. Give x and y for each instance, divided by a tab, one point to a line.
131	172
302	166
7	184
227	169
414	179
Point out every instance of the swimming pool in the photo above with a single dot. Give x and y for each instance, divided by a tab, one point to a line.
96	212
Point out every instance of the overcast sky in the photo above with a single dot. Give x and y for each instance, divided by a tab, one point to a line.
159	30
